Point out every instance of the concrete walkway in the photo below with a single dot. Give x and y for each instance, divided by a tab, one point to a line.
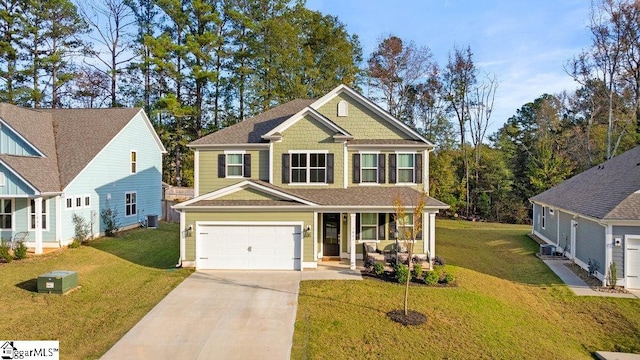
577	285
223	315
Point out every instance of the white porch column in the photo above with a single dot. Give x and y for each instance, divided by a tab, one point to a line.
432	235
352	242
183	219
38	224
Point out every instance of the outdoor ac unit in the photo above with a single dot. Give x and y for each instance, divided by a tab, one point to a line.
547	249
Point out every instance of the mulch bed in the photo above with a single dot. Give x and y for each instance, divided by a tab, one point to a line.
388	276
593	282
412	318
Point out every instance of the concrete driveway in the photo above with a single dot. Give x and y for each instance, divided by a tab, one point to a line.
218	315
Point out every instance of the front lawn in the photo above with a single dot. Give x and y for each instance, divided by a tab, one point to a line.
507	305
120	280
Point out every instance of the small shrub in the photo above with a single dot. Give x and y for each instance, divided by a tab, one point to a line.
402	272
81	230
447	278
612	276
110	220
416	272
20	252
431	278
4	252
438	260
378	269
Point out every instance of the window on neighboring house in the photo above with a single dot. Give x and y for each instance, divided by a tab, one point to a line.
69	203
307	168
134	162
369	226
32	214
78	202
544	217
87	201
406	168
369	168
6	213
234	165
130	203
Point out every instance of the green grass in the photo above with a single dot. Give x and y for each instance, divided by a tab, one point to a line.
120	280
507	305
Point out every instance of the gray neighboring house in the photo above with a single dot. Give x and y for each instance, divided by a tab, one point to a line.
594	218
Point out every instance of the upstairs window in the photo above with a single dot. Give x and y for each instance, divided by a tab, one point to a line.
307	168
134	162
369	168
234	165
405	168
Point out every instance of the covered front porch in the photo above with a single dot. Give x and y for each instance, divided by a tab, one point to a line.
31	219
341	235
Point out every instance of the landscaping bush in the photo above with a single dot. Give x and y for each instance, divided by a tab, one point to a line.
110	220
81	230
439	261
20	252
402	272
431	278
416	272
4	252
378	269
447	278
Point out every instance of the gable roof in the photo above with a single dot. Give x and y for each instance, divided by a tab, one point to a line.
250	131
609	191
270	124
37	129
68	139
82	133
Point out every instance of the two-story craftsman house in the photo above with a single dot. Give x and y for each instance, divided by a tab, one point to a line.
305	181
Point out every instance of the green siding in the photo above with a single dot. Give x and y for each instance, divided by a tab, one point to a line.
308	134
306	217
208	168
361	122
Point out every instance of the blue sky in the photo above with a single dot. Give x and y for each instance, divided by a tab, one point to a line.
526	44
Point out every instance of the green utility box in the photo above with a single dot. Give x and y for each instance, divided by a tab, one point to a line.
57	282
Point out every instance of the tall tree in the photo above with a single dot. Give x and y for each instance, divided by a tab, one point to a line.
12	23
396	68
111	22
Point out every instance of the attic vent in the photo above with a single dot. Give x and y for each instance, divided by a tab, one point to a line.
343	108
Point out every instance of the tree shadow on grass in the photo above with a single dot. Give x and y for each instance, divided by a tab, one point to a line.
30	285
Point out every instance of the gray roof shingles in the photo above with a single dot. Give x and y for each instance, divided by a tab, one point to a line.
607	191
69	139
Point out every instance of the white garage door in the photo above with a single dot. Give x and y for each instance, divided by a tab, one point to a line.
259	247
633	263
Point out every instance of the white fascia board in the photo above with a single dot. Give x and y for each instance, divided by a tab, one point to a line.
299	115
372	106
5	124
152	130
229	146
391	147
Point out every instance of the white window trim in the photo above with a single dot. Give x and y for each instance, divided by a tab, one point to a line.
66	200
398	182
125	203
369	183
45	205
226	164
376	226
2	180
84	201
132	162
13	214
308	167
543	219
75	202
551	211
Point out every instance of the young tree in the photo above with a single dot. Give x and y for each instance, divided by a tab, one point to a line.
409	234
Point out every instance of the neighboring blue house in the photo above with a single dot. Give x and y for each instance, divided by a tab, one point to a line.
58	162
594	218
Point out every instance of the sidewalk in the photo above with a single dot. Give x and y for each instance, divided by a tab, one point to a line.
577	285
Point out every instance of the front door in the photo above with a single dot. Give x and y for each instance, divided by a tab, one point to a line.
330	231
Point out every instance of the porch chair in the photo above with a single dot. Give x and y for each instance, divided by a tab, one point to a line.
17	238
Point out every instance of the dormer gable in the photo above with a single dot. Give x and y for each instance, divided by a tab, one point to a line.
339	134
14	143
